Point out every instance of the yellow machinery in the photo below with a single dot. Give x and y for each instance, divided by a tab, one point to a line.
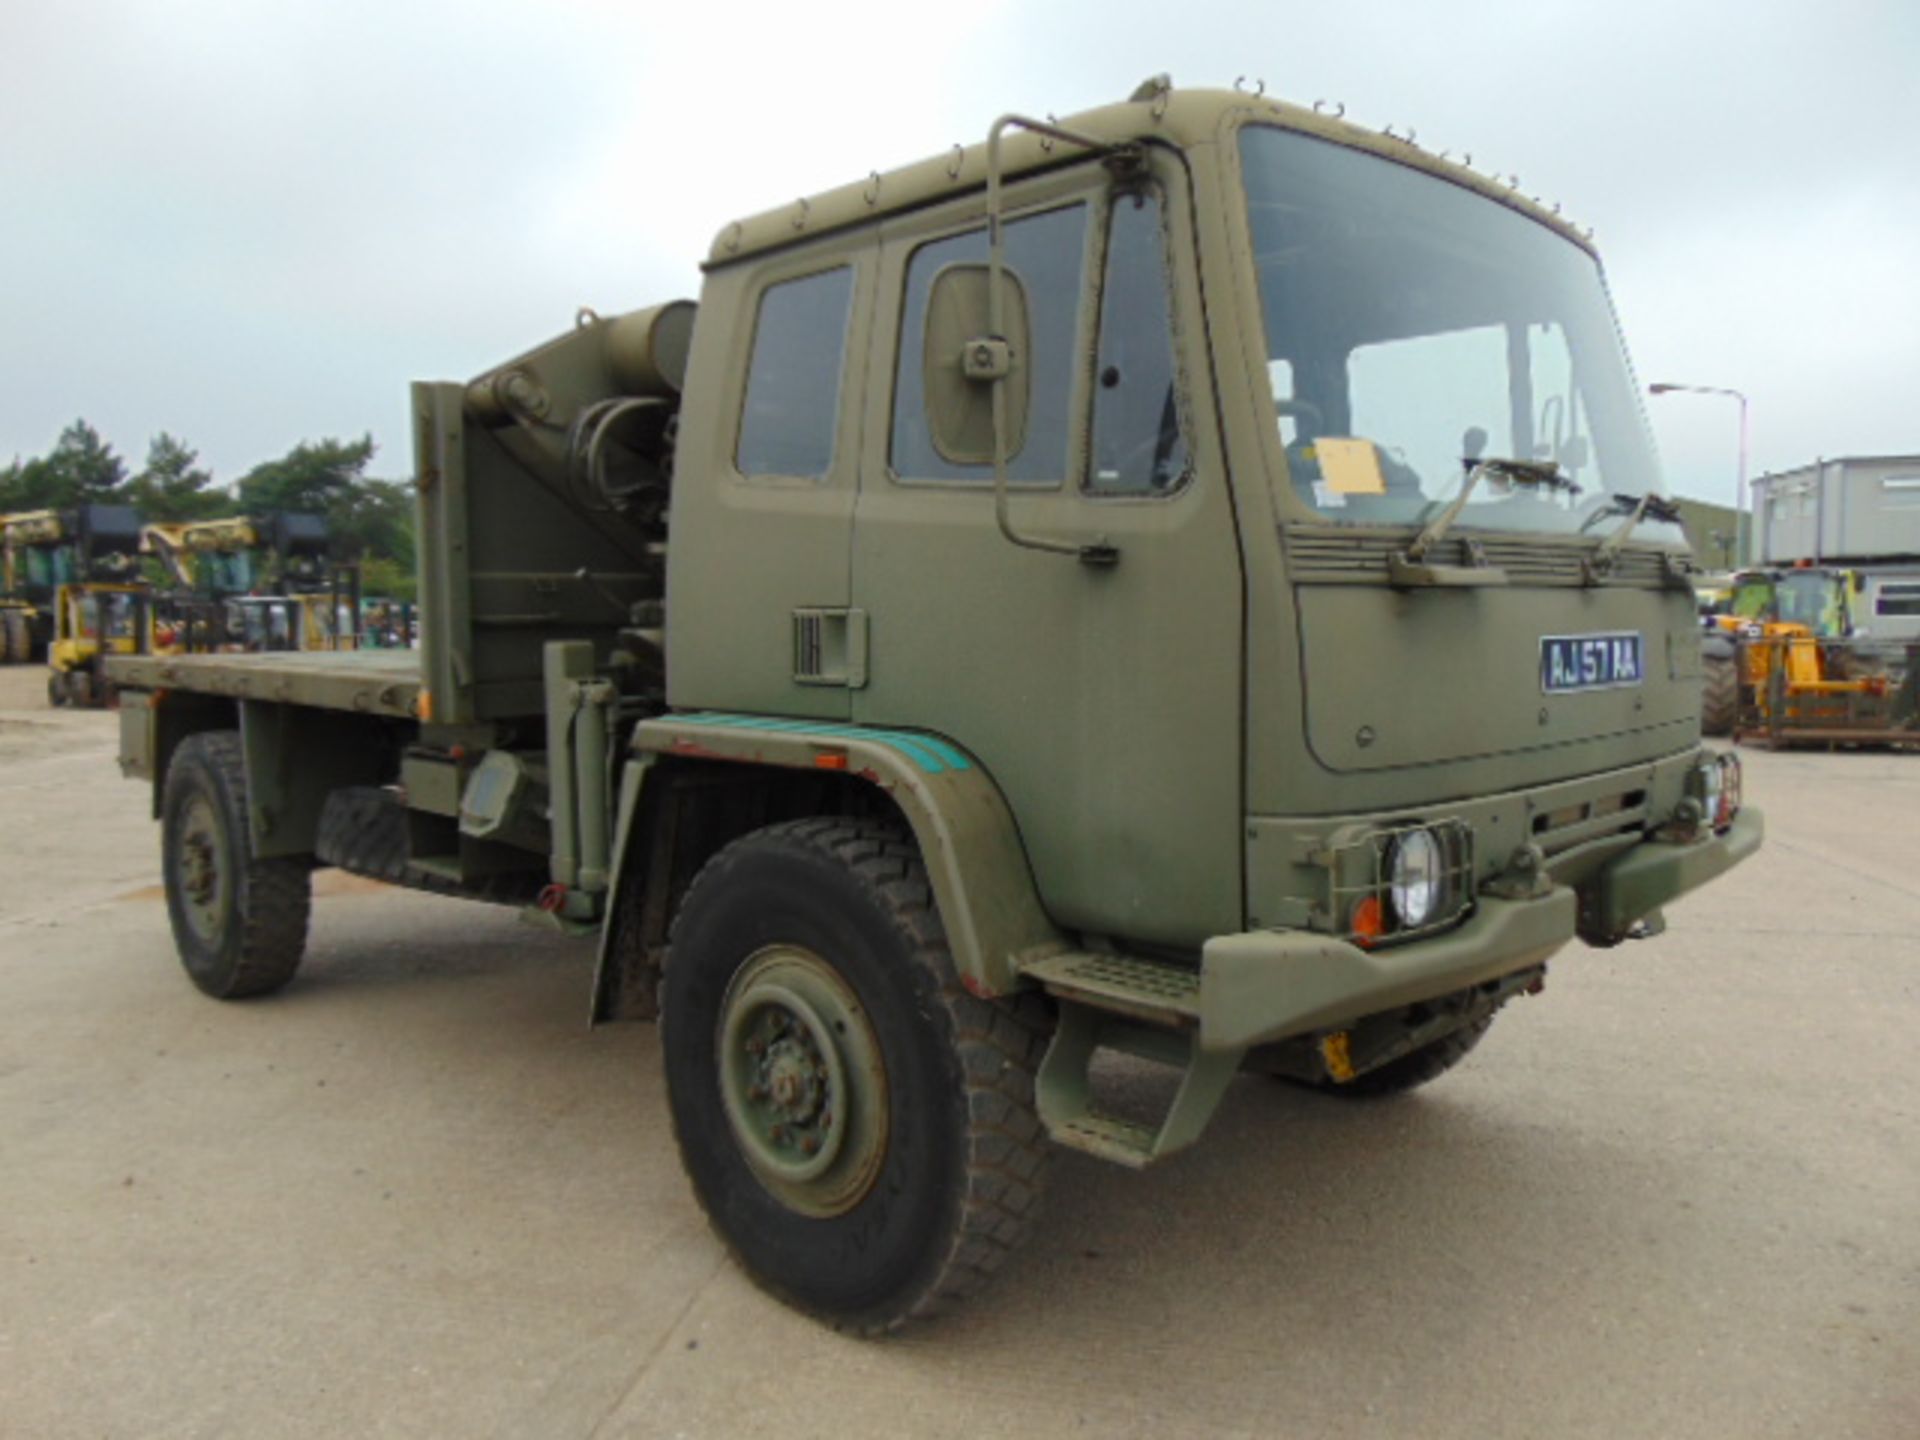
25	574
73	594
1803	676
253	583
90	622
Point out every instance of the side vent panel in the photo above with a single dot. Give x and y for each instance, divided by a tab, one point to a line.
830	647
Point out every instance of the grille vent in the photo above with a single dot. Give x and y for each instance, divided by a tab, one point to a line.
1322	553
830	647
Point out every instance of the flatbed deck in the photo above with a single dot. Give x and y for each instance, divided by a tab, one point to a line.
365	682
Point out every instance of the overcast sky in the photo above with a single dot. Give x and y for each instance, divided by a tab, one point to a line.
252	222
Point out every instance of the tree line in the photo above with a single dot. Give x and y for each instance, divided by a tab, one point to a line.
371	519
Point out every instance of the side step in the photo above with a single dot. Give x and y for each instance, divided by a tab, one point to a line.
1146	990
1135	1007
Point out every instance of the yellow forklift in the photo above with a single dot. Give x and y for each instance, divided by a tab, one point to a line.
74	595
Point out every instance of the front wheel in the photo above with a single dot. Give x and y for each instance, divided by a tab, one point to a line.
860	1129
1719	694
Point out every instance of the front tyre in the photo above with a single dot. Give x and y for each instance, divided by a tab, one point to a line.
239	922
859	1129
1719	694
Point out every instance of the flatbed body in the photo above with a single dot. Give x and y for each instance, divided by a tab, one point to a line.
362	682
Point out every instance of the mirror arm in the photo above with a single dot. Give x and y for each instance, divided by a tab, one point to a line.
1099	552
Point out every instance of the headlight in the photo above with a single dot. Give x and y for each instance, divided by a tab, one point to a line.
1730	785
1710	788
1716	787
1415	872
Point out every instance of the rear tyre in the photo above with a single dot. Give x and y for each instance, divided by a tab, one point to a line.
1412	1070
1719	695
80	689
57	689
860	1129
15	639
239	922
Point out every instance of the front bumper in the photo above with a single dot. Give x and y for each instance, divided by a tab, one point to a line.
1271	984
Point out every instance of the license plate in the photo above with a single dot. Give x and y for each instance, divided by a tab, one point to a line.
1591	662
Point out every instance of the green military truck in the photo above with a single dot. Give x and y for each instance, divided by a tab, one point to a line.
1186	581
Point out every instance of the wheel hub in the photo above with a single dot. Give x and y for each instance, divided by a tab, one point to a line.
802	1081
197	868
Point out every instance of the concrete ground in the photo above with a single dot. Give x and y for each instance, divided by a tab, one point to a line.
1677	1195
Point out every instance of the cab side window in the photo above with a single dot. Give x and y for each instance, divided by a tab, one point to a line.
793	379
1047	252
1137	445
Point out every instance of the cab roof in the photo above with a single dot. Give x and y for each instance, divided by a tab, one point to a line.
1157	112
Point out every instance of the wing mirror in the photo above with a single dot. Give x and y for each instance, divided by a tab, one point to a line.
964	360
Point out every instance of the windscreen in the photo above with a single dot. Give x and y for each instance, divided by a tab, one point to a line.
1816	600
226	572
1414	327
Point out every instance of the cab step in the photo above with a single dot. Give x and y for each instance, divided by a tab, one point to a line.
1148	990
1072	1113
1132	1006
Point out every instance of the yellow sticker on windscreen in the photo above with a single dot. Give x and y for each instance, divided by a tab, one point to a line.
1350	467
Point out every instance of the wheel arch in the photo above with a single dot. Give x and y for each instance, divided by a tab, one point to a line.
154	723
765	771
294	756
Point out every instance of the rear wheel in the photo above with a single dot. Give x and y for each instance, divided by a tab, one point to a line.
239	922
57	689
1720	695
859	1128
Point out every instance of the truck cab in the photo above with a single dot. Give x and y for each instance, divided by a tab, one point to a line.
1262	355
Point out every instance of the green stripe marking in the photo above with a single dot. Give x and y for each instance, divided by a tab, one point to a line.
929	752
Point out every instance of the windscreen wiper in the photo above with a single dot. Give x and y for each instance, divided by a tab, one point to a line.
1600	563
1411	567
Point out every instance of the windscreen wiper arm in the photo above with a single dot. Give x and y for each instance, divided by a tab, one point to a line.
1601	561
1514	472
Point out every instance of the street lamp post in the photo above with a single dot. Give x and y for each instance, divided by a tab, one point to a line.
1742	529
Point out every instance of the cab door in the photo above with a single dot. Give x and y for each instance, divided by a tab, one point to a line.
1104	699
759	593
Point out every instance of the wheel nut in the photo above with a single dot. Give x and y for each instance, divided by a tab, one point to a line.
756	1092
778	1134
826	1119
810	1143
756	1045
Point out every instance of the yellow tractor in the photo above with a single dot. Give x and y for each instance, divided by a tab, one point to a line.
1785	665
